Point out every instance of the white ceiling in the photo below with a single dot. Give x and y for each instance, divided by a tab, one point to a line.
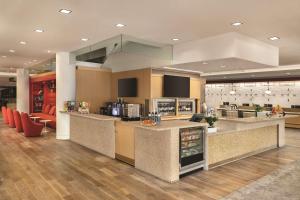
155	20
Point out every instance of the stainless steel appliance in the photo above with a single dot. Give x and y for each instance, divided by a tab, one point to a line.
165	107
132	110
186	106
191	152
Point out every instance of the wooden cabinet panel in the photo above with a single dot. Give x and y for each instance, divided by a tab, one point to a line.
124	141
156	86
195	87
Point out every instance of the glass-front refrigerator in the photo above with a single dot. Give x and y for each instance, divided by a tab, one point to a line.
191	151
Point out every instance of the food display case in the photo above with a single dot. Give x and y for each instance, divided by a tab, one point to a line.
191	150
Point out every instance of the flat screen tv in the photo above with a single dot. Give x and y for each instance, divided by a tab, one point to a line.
176	86
127	87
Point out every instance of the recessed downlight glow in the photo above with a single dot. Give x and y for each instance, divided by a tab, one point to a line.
268	92
4	56
204	63
236	23
48	51
84	39
23	42
120	25
65	11
12	51
274	38
39	30
232	92
175	39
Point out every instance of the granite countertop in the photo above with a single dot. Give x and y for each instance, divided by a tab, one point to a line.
168	125
93	116
252	119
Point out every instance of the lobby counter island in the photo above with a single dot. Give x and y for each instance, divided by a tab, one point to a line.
176	147
237	138
96	132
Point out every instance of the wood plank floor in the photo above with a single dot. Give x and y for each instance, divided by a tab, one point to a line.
45	168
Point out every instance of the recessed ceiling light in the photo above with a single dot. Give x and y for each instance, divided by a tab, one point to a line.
12	51
288	73
4	56
274	38
84	39
175	39
34	60
39	30
23	42
48	51
223	66
204	63
120	25
65	11
236	23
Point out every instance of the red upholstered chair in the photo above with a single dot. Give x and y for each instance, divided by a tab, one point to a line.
47	109
10	116
4	114
31	129
18	122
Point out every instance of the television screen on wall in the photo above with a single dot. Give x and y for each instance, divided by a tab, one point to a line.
176	86
127	87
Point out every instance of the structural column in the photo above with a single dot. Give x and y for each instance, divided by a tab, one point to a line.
65	91
23	90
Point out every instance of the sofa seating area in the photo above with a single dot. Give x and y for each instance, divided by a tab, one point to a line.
48	112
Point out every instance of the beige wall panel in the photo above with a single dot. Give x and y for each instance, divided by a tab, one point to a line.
156	86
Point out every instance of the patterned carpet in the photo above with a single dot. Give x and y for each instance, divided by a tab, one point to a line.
282	184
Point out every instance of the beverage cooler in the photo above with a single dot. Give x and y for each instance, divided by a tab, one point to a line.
191	151
186	106
165	107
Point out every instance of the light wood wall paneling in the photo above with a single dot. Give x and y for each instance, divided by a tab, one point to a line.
93	85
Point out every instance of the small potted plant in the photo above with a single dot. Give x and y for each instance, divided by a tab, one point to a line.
259	111
211	122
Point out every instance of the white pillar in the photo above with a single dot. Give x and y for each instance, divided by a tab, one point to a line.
65	91
23	90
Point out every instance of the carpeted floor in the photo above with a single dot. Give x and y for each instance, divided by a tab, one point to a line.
282	184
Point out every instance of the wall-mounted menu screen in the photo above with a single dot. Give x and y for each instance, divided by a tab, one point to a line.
127	87
176	86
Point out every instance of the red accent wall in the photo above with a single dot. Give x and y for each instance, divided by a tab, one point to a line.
42	91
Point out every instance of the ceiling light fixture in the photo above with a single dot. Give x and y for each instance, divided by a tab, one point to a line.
48	51
4	56
84	39
120	25
268	91
23	42
232	92
204	63
175	39
12	51
39	30
236	23
65	11
274	38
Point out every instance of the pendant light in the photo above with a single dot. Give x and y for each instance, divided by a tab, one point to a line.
268	91
232	92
